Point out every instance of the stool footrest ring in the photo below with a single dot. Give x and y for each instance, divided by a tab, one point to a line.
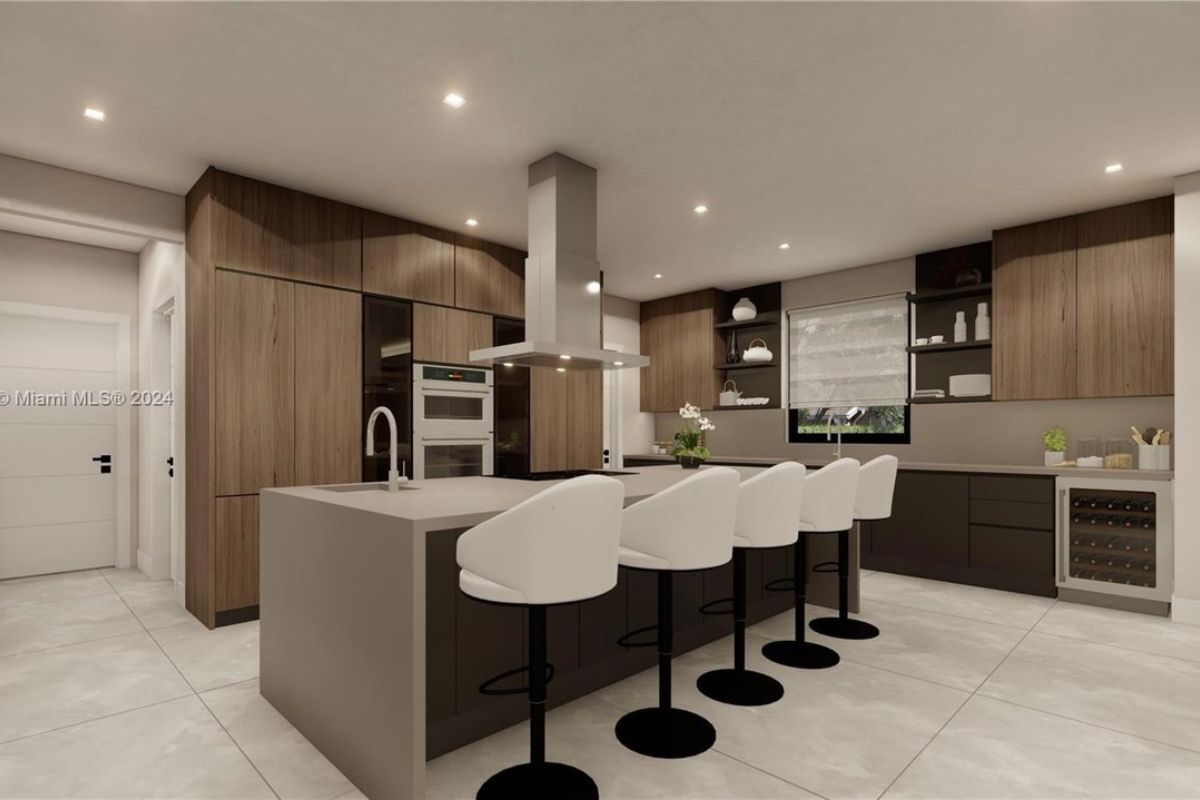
707	608
826	566
488	686
781	585
625	641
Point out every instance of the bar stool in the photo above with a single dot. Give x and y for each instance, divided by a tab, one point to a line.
873	500
768	505
686	527
828	507
559	546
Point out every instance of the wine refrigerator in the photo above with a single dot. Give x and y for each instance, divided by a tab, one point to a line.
1115	537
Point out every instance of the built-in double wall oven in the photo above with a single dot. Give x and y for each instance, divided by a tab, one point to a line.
452	421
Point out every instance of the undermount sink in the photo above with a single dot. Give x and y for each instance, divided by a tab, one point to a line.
361	487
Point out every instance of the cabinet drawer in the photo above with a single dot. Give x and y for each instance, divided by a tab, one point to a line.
1018	488
1036	516
1013	550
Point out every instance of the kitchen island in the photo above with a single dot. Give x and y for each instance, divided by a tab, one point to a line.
370	650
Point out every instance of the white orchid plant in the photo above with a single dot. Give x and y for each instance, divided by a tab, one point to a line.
689	442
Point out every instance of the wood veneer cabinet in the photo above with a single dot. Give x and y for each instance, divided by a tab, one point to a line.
271	230
1034	298
408	260
254	383
328	385
448	335
1125	320
567	422
678	336
236	551
489	277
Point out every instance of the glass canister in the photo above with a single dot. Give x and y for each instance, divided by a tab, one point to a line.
1089	447
1118	453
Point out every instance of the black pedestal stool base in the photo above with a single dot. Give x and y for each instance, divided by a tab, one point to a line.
546	781
666	732
739	687
840	628
802	655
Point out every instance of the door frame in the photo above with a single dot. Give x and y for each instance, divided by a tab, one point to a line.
611	407
163	430
122	448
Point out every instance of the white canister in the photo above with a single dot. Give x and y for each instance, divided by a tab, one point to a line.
960	326
1147	456
744	310
1164	455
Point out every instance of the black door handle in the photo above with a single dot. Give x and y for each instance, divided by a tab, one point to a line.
103	459
171	461
171	472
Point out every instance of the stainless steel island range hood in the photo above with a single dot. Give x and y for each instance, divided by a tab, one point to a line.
562	276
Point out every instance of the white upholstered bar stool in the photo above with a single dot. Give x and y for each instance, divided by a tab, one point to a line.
873	500
768	505
828	507
686	527
559	546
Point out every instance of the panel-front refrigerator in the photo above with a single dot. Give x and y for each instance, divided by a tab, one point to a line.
1115	537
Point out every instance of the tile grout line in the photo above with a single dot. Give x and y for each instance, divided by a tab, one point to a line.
959	616
1195	661
196	694
7	742
963	705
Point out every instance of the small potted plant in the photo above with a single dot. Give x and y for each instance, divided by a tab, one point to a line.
1055	441
690	450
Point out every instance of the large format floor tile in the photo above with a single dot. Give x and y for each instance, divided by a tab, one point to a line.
1145	695
996	750
43	588
844	732
155	605
123	579
950	650
211	659
987	605
1123	629
170	750
65	685
291	765
38	626
581	734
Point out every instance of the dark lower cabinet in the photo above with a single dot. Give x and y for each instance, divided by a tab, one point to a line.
985	530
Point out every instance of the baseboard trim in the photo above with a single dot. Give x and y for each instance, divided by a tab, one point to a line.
144	562
233	616
1185	610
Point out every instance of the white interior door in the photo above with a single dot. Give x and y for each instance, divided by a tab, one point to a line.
59	510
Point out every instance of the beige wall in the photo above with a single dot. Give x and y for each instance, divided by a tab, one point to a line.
55	273
1186	604
968	433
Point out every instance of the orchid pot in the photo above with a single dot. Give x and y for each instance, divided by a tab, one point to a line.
691	449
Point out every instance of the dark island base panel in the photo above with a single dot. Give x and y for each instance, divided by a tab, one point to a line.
468	641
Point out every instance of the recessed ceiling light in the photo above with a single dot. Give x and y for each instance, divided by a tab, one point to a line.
94	113
785	246
565	357
454	100
560	369
701	209
618	363
1111	168
657	275
472	222
508	363
593	287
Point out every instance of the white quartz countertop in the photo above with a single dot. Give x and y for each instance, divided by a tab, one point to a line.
461	502
995	469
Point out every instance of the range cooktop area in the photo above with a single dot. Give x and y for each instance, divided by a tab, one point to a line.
558	474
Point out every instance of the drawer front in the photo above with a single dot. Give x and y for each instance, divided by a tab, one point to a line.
1016	488
1015	551
1035	516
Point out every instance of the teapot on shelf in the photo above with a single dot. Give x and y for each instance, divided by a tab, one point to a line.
757	352
729	396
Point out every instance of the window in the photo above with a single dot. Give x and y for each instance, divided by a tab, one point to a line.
848	364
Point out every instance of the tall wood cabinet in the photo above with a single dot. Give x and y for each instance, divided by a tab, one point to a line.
448	335
408	260
678	336
1083	305
489	277
566	419
1033	324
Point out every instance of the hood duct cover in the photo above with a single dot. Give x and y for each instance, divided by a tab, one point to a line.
562	276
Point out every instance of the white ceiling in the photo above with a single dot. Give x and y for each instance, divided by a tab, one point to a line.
857	132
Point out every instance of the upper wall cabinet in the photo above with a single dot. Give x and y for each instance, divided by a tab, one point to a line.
448	335
678	336
408	260
1126	299
270	230
1033	323
489	277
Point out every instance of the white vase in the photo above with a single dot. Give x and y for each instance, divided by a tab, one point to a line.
960	326
983	323
744	310
1053	459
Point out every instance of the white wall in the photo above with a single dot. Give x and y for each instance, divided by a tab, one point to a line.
622	327
160	269
1185	606
54	273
